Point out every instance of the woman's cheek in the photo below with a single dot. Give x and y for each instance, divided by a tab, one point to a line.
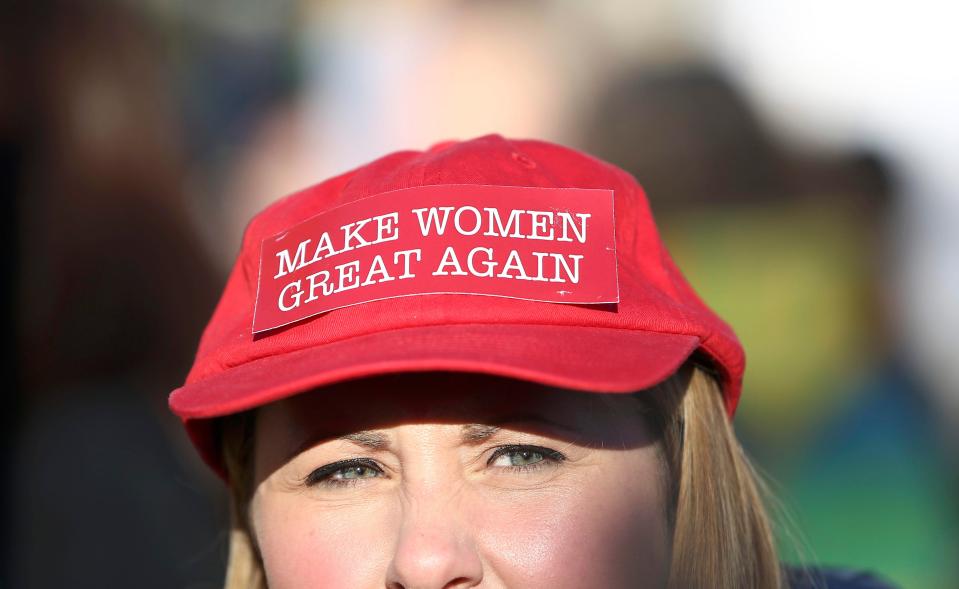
610	534
307	543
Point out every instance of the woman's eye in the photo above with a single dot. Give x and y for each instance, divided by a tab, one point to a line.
355	472
518	458
344	472
524	457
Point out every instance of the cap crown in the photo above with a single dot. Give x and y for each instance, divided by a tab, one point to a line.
654	296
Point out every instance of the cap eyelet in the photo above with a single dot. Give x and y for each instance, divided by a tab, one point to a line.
523	160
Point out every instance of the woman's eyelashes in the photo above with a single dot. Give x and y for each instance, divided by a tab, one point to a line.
524	458
344	473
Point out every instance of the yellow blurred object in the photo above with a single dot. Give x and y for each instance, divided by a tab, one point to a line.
793	280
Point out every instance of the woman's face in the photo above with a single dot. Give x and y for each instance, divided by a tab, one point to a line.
446	480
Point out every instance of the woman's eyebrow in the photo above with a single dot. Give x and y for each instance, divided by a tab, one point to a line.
478	432
371	439
474	433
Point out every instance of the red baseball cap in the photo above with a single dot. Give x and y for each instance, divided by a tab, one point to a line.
517	258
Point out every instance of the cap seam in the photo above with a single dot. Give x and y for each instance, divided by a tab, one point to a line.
227	366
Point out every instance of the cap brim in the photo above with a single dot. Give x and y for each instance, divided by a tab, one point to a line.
597	359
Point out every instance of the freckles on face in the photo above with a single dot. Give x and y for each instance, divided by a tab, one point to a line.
469	485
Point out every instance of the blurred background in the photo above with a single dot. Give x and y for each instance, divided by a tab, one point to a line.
800	159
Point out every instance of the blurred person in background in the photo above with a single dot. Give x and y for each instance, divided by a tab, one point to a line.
98	489
842	425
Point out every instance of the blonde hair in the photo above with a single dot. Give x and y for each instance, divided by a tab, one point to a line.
722	537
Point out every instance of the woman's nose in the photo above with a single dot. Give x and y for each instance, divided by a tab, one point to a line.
433	552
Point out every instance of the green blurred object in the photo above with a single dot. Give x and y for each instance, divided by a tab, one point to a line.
840	428
792	280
